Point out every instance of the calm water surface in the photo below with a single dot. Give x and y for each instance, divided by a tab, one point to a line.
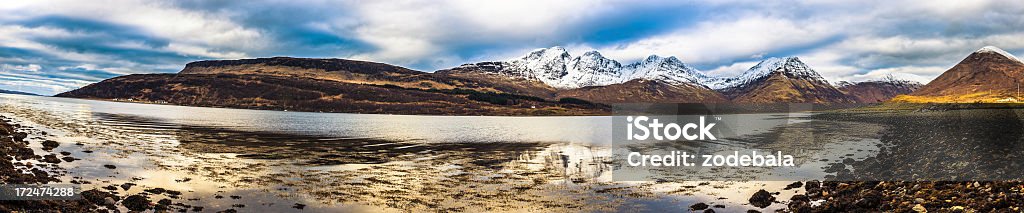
254	160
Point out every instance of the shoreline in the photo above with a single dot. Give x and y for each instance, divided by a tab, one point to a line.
521	172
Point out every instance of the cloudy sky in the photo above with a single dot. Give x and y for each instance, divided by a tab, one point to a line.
49	47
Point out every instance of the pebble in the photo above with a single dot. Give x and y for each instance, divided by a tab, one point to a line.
109	201
920	208
699	206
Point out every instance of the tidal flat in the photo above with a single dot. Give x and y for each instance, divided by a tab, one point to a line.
132	157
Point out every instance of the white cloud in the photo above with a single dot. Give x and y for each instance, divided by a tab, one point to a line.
711	41
844	40
209	32
733	69
407	31
20	68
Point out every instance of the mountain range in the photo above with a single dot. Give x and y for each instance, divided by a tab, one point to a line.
16	92
668	79
547	81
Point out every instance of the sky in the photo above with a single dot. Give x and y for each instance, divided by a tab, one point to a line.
52	46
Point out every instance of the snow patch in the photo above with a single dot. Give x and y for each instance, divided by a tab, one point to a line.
790	66
555	67
996	50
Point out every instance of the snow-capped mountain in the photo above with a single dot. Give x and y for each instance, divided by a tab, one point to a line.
789	66
546	65
996	50
776	80
591	69
555	67
670	70
879	90
888	79
772	80
985	75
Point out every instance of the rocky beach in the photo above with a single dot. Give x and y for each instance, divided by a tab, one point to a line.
131	162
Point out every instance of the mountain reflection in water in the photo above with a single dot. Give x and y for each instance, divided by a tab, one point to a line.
278	161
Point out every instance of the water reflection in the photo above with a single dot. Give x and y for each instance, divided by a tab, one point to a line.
344	162
952	145
576	129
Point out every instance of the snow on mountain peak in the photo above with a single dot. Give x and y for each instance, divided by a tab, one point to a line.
887	79
789	66
670	69
546	64
996	50
555	67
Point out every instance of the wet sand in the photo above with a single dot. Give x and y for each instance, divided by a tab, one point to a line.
150	164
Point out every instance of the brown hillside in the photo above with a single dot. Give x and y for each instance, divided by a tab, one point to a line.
982	72
877	91
779	88
645	91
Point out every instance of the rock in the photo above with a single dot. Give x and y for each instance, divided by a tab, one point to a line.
156	191
19	136
173	194
136	203
869	200
794	185
699	206
835	167
163	205
109	201
919	208
709	211
761	199
51	158
49	145
720	206
127	186
299	206
108	166
799	203
919	200
99	197
799	197
812	185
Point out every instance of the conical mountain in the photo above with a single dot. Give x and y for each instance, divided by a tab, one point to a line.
985	75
